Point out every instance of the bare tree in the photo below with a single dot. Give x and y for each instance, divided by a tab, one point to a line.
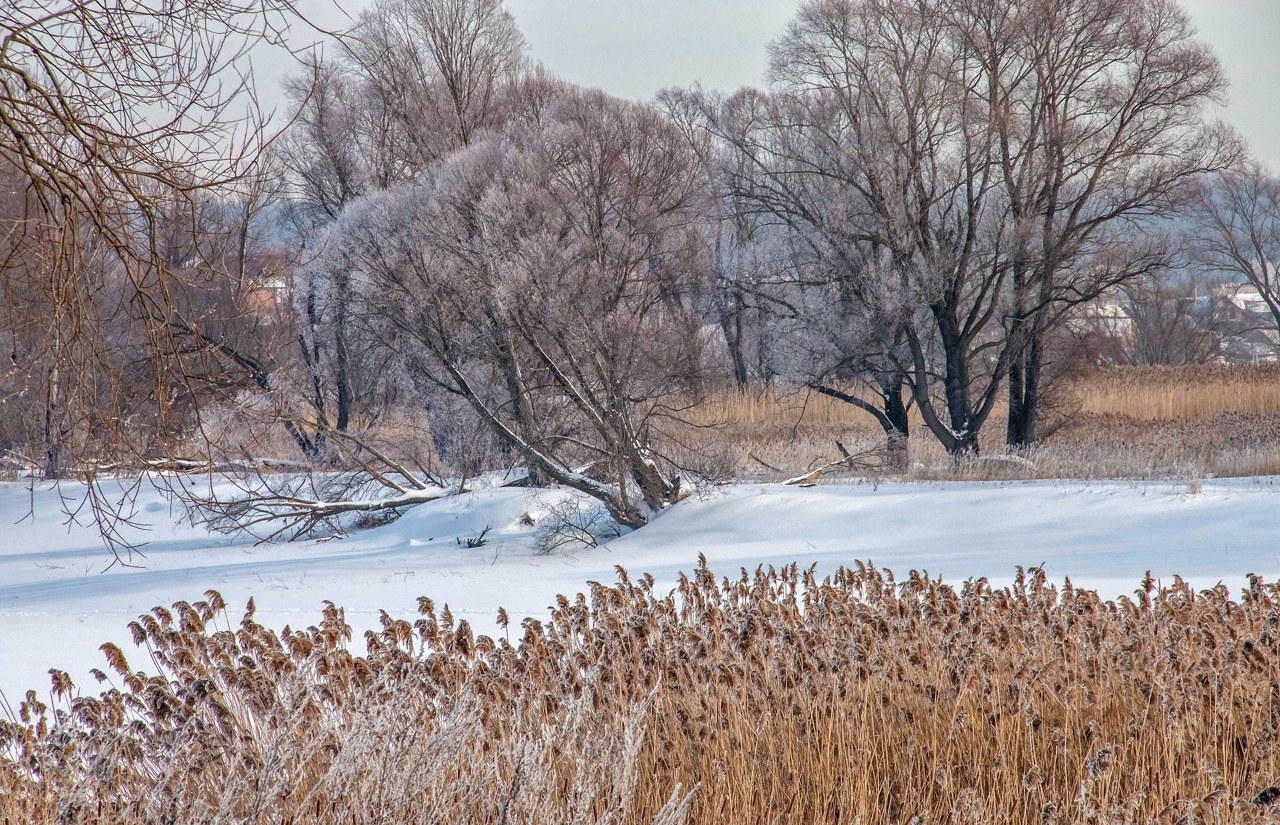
870	151
414	81
24	251
1236	231
1097	109
410	84
335	149
750	289
111	116
1170	322
968	172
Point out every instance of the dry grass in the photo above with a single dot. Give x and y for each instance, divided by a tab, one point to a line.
769	436
1193	393
1145	423
769	698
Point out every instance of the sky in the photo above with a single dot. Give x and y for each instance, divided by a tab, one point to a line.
634	48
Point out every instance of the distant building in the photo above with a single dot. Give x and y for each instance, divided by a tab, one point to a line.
1255	336
268	296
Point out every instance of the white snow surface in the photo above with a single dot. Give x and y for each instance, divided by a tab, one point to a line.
57	605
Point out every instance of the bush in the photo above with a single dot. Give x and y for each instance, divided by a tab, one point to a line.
574	522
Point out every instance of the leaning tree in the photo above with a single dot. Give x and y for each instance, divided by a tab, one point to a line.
551	275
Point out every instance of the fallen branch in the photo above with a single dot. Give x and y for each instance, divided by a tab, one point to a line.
193	465
288	512
857	460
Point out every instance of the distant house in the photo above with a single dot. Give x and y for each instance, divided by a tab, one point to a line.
1255	337
268	296
1227	322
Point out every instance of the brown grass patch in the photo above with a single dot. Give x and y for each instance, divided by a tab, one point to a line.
1191	393
1144	423
776	697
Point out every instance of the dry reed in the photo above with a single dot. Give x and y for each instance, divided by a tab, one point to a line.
1138	423
1191	393
773	697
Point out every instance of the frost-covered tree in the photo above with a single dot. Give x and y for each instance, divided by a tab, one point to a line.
867	150
550	277
410	84
437	72
1098	116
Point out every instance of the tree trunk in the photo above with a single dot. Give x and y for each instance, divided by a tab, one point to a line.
895	412
964	429
1024	400
52	429
960	437
1016	427
522	406
342	352
732	326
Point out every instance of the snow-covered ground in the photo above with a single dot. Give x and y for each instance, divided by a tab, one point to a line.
57	605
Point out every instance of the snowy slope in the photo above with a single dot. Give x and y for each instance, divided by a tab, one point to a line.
57	606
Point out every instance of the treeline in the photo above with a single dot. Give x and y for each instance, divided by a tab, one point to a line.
451	249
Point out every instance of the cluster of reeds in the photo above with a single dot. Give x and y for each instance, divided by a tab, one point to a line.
773	697
1190	393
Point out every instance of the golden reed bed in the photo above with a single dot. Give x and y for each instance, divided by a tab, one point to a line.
773	697
1125	422
1191	393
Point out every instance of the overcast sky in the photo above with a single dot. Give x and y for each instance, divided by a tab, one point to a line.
633	48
